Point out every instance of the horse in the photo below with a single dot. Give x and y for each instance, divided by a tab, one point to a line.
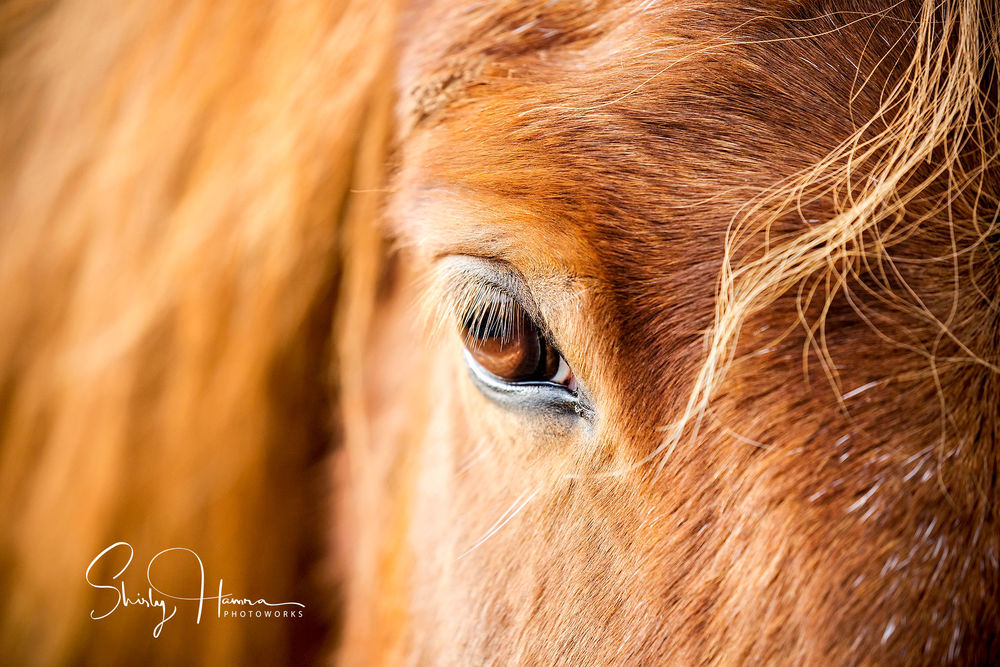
607	332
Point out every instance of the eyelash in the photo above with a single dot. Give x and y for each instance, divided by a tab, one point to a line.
487	308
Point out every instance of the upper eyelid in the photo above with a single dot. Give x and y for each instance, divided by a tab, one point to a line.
465	273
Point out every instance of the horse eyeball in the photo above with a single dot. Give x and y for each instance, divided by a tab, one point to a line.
508	346
503	339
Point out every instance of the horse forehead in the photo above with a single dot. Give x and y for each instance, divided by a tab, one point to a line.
606	101
506	97
450	48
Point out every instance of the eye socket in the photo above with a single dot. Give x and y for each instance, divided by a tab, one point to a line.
502	338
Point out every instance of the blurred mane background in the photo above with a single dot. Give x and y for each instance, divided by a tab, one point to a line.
173	188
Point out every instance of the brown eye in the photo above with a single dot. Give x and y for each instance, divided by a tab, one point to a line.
504	341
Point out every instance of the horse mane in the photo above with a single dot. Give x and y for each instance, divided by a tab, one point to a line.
187	200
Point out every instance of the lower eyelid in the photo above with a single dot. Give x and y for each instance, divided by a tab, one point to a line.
527	397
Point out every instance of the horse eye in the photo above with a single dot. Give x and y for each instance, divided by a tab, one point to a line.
505	342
